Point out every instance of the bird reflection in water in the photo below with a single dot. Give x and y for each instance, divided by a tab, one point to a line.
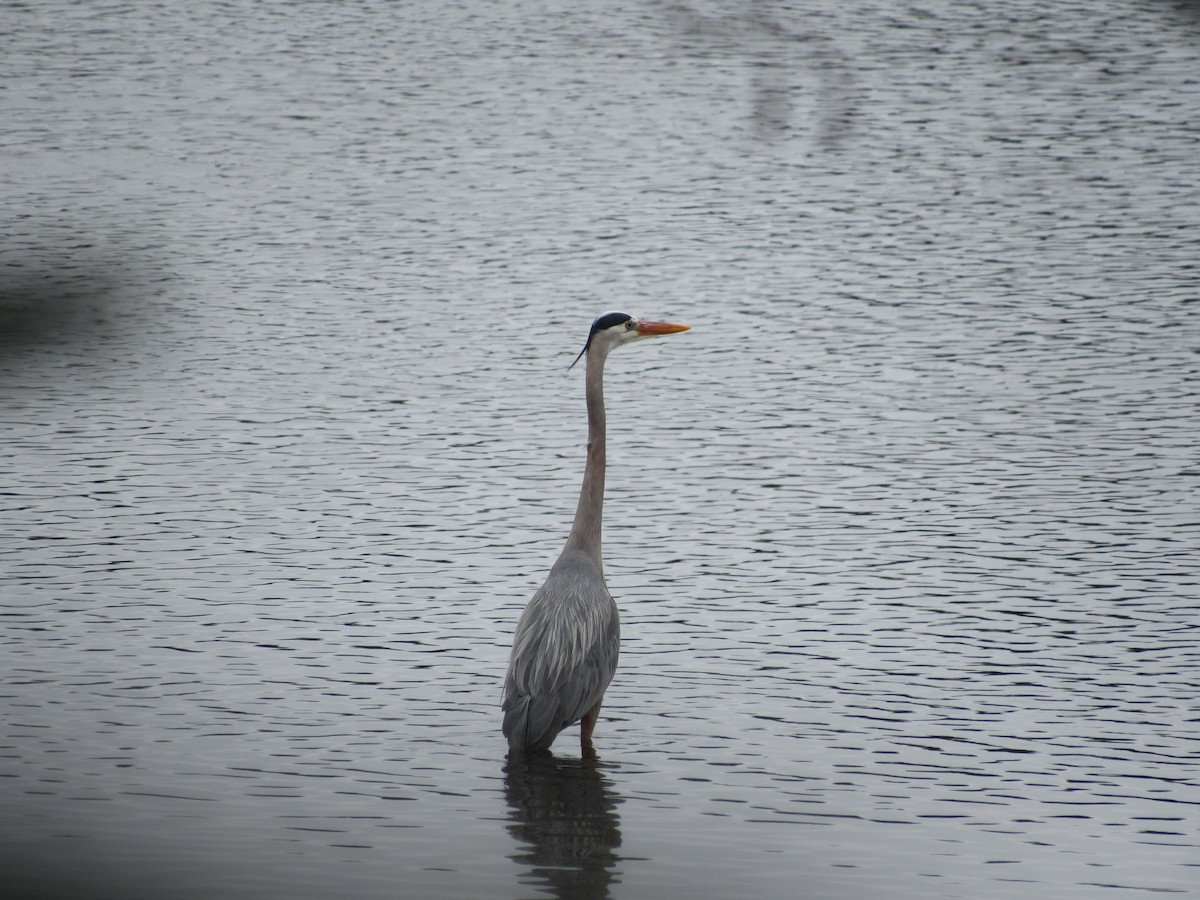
563	811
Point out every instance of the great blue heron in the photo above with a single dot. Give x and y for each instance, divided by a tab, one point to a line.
565	647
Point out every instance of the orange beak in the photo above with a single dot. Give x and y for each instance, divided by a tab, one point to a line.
650	328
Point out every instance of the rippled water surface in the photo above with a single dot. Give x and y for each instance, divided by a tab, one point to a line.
905	532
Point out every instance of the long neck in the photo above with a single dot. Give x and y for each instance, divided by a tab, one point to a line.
585	532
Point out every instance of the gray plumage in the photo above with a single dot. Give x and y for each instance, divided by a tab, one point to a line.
564	653
568	638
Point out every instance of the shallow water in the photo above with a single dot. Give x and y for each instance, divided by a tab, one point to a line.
903	532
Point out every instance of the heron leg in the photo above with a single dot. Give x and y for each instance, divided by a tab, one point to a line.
586	726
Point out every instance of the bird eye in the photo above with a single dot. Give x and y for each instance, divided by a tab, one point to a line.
629	325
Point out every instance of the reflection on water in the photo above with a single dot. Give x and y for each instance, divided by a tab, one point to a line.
57	298
778	57
564	814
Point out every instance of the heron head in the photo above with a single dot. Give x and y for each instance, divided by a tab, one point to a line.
612	329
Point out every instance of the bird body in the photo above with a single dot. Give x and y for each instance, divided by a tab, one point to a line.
568	638
564	653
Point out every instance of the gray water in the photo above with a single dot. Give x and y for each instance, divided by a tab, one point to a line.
905	532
